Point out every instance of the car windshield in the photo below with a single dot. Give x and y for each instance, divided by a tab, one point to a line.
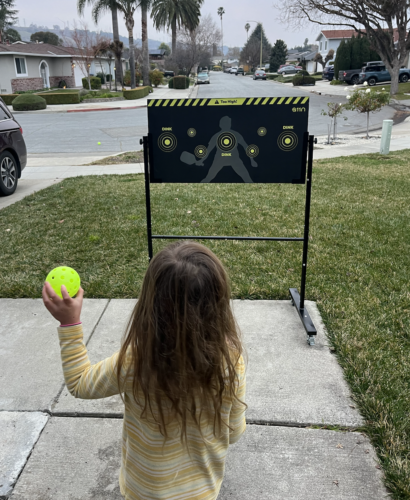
203	76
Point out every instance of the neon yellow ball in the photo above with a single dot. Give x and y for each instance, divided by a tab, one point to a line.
99	143
64	276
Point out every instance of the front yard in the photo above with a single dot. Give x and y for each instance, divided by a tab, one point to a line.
358	268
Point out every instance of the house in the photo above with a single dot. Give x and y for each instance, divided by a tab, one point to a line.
157	55
308	58
32	66
331	39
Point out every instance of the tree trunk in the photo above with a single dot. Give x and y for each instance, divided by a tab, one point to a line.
368	117
132	59
116	38
174	36
144	39
394	73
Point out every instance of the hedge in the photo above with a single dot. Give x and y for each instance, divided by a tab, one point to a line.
95	83
8	98
29	102
63	98
303	80
179	82
137	93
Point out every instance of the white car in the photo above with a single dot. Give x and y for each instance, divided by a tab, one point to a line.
233	70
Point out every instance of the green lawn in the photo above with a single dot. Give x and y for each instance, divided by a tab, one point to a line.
404	88
358	268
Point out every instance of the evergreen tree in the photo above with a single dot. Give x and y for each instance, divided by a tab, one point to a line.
342	60
46	37
278	55
12	35
8	16
356	58
364	51
251	51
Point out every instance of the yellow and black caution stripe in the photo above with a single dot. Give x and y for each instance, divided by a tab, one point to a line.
251	101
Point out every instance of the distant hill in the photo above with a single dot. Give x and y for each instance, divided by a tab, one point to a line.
27	31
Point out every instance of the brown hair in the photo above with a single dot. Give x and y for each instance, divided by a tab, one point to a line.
182	337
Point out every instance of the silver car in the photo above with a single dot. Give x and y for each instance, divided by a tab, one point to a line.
203	78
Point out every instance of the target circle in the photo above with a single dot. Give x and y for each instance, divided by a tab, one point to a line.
287	141
252	151
191	132
200	151
226	141
262	131
167	142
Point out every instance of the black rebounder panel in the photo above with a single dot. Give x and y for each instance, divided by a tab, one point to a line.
228	140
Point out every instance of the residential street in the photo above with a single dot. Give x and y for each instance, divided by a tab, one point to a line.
120	130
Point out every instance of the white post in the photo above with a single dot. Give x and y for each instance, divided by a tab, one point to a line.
386	136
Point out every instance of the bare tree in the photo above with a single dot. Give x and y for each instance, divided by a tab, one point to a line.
82	43
102	48
195	46
385	23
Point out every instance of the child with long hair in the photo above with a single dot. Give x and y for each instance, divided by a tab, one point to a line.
180	371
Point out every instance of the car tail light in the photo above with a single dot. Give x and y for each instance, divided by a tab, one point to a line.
344	74
21	130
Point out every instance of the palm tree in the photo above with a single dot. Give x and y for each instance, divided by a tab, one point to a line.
221	12
247	27
116	35
145	5
174	14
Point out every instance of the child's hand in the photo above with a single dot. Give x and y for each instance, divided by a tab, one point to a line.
66	310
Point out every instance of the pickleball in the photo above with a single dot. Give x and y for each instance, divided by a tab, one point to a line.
64	276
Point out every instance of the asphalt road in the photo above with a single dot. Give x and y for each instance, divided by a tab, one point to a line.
79	133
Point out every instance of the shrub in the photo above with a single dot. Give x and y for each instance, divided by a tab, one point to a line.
217	68
337	82
303	72
318	73
63	98
303	80
95	82
8	98
180	82
101	76
272	77
171	83
29	102
156	78
137	93
127	78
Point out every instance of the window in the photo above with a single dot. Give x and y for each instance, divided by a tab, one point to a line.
21	66
321	45
326	45
127	65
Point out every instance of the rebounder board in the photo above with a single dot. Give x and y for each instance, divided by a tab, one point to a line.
231	140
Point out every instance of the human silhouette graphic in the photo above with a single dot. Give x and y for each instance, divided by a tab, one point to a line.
227	155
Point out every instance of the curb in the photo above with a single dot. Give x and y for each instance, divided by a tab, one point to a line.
100	109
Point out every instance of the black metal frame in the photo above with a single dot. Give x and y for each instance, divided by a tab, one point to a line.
298	300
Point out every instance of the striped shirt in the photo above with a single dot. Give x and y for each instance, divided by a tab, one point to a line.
151	468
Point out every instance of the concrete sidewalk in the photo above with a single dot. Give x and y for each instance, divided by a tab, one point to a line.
57	447
161	92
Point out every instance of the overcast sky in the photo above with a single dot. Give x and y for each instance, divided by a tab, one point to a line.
237	13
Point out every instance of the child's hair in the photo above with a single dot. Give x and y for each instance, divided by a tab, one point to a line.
182	336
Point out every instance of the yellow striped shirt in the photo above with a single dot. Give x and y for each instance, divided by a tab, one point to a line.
150	468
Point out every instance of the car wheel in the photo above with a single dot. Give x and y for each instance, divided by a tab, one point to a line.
372	81
354	80
8	174
404	78
264	78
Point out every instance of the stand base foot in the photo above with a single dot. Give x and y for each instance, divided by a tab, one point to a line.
304	316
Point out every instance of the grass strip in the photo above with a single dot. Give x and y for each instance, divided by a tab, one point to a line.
129	157
358	268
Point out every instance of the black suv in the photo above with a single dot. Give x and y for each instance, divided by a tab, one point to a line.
13	152
240	71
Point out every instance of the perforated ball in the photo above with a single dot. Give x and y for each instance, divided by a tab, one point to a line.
64	276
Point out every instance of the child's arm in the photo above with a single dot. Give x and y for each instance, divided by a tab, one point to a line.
82	379
237	418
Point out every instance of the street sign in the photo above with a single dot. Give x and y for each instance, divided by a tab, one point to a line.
228	140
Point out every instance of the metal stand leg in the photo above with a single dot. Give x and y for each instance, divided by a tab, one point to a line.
299	300
144	142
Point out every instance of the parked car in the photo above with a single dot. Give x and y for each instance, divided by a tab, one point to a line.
379	74
259	74
13	152
328	73
203	78
233	70
168	73
240	71
352	76
288	70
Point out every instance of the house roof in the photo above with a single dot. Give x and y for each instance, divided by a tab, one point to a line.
35	49
343	34
157	52
307	56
